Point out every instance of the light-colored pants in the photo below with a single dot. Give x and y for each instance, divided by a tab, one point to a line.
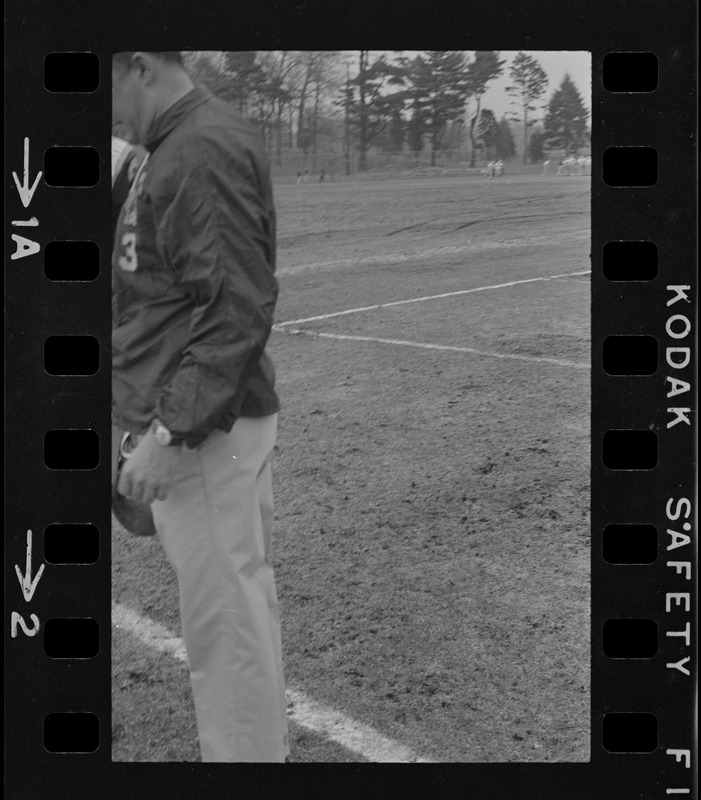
216	527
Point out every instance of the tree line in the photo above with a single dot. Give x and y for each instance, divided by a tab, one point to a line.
311	100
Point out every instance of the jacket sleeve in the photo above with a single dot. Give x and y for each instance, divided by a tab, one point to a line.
217	235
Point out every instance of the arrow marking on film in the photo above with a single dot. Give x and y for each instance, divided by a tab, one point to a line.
26	192
25	581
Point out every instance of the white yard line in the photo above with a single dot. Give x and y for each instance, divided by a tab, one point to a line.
430	297
349	733
149	632
304	711
574	280
560	362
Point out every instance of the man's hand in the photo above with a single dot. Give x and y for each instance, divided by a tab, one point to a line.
148	473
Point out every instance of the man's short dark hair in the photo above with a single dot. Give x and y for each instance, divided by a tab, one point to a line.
170	56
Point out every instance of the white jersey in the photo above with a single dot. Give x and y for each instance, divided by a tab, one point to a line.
120	150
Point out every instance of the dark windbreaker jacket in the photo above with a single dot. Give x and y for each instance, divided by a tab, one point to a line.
194	284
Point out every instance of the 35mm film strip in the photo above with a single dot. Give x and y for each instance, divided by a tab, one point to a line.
643	391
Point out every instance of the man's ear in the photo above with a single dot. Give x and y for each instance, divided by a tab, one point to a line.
145	65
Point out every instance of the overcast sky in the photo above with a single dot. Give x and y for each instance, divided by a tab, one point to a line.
555	64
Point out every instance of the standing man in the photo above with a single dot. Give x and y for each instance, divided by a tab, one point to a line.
193	298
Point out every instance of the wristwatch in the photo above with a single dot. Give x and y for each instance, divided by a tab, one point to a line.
161	434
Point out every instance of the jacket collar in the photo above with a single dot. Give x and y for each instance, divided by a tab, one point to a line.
174	115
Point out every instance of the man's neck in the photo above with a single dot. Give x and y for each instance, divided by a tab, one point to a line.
171	89
174	88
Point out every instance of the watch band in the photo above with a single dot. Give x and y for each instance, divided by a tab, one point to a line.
161	434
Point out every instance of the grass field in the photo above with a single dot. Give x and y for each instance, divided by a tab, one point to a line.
432	478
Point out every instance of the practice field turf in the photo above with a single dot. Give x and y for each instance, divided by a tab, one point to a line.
432	478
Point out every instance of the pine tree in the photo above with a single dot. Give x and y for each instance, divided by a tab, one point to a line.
488	131
535	147
397	130
416	128
246	78
438	87
372	106
504	145
529	82
566	120
485	68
